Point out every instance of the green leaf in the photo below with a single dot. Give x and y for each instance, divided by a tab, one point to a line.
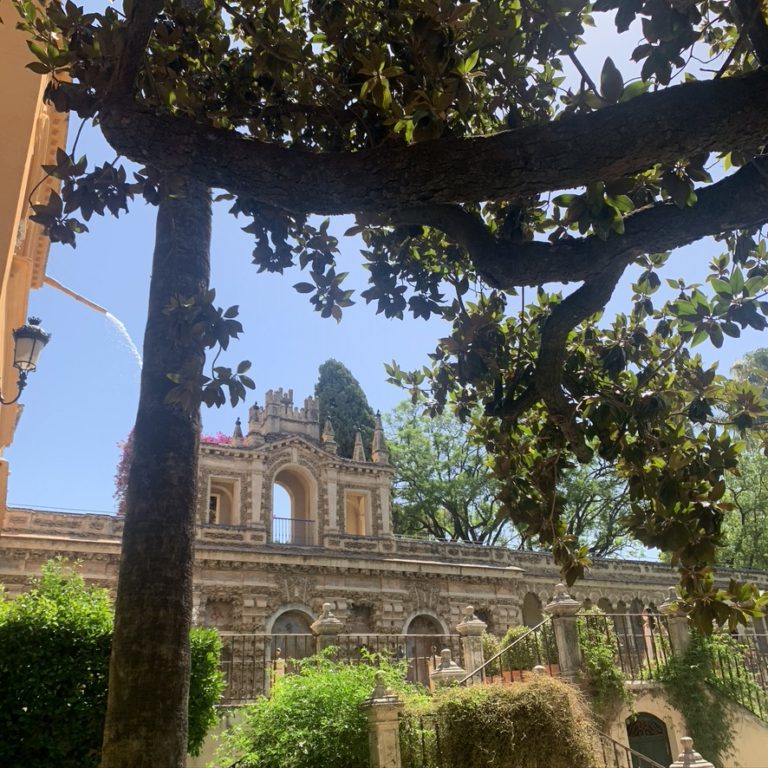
611	82
305	287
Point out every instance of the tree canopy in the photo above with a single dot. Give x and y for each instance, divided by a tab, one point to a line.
341	400
445	128
443	486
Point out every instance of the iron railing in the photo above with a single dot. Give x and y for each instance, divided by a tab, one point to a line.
618	755
740	668
640	641
293	530
537	647
420	742
251	662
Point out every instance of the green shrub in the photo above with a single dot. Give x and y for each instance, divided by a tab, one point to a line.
491	646
543	723
312	719
54	663
525	654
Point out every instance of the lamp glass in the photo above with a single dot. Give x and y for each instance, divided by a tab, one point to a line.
29	341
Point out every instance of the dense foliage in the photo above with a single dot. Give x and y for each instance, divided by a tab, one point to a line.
341	400
543	723
443	485
705	698
312	719
445	128
54	658
604	680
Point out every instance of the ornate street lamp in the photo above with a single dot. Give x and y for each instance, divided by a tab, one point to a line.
28	343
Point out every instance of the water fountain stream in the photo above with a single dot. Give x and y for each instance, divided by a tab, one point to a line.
116	324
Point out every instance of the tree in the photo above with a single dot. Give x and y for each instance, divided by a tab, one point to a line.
444	128
443	484
595	502
54	658
342	401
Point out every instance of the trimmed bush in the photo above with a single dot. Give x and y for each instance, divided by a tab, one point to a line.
543	723
55	643
312	719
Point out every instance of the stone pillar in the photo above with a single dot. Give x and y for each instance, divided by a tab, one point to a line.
679	632
326	629
382	708
471	630
448	672
563	609
689	758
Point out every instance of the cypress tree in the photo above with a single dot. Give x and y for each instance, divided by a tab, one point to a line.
342	400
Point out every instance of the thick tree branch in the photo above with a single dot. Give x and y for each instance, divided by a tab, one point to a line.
751	17
140	23
615	141
738	202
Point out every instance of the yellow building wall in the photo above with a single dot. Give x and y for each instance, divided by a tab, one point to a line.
31	132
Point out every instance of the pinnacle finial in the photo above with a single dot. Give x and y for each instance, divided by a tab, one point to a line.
237	434
358	453
329	437
379	452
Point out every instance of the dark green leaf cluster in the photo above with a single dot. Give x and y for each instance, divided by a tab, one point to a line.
55	643
196	318
341	400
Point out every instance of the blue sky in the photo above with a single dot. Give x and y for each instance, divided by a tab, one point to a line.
82	400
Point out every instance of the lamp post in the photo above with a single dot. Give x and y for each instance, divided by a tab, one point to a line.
28	343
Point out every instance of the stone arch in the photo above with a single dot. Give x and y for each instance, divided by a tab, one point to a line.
289	630
532	613
301	527
424	622
647	734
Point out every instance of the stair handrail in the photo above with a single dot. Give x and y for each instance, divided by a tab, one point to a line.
643	761
493	658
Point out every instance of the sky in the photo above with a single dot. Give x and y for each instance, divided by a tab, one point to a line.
82	400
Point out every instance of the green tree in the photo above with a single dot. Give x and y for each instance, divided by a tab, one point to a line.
341	400
54	658
445	130
745	526
596	501
443	485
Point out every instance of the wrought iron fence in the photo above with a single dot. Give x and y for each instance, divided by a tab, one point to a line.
292	530
420	654
251	662
514	663
420	743
640	641
740	666
617	755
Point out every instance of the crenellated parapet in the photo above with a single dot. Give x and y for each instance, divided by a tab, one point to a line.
279	416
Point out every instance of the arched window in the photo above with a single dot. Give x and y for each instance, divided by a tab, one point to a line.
294	508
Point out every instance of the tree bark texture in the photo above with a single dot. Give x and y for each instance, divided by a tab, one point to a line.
660	127
146	723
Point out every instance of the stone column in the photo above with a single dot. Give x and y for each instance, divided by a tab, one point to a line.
689	757
382	708
448	672
679	632
326	629
471	630
563	609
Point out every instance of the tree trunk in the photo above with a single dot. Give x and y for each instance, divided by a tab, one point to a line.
146	722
